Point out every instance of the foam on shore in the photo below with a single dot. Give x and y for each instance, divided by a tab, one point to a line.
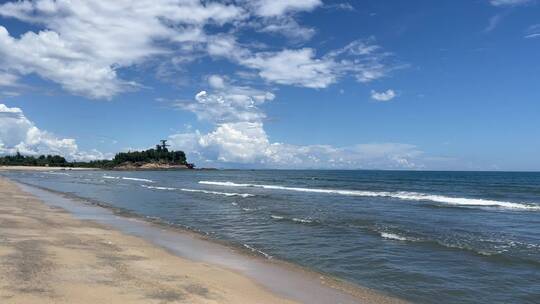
411	196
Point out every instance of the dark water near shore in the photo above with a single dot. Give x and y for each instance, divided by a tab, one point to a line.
446	237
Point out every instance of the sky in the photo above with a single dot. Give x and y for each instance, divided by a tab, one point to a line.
287	84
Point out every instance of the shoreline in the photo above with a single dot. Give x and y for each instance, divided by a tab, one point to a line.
192	245
44	168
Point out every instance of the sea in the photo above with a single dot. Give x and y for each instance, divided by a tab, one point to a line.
426	237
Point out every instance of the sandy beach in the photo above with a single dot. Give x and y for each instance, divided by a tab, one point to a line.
49	256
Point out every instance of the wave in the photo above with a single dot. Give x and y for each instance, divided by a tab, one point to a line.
299	220
129	178
294	219
244	195
411	196
56	173
159	188
138	179
393	236
266	255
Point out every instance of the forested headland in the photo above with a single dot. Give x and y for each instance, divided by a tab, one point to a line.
158	158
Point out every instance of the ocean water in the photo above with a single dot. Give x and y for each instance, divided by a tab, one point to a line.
445	237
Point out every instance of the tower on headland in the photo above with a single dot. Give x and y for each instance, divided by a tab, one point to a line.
163	146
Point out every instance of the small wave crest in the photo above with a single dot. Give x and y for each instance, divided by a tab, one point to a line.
410	196
56	173
158	188
252	249
393	236
244	195
294	219
301	220
129	178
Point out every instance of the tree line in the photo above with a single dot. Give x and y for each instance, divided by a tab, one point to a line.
158	155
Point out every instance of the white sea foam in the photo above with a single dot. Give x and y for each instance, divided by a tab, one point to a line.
129	178
56	173
244	195
159	188
411	196
199	191
304	221
277	217
138	179
393	236
266	255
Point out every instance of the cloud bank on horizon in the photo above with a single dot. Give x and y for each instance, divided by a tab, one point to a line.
96	49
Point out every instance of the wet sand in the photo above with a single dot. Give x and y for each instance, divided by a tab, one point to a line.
48	255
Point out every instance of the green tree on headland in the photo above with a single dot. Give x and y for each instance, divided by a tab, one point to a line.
160	155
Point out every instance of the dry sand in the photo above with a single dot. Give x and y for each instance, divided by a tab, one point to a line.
48	256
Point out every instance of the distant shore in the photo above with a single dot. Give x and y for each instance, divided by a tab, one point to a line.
42	168
76	256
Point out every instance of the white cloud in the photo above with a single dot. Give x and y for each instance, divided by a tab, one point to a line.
287	27
270	8
7	79
293	67
493	23
508	2
19	134
533	32
383	96
239	137
86	42
232	144
83	45
301	67
227	103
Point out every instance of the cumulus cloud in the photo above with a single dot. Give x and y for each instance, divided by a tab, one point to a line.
383	96
84	43
239	137
227	103
362	59
19	134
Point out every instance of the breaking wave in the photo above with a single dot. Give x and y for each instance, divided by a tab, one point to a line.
158	188
244	195
411	196
393	236
252	249
129	178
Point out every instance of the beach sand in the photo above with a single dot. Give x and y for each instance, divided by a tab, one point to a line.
47	256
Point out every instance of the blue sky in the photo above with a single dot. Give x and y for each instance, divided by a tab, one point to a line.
276	84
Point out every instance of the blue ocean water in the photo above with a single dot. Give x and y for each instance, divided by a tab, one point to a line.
446	237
